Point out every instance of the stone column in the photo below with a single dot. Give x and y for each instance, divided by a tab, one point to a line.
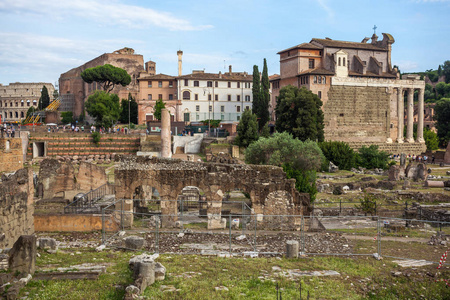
400	114
410	111
420	118
165	134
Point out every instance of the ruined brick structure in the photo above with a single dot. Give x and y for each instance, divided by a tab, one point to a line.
16	206
362	94
60	179
74	91
270	192
11	155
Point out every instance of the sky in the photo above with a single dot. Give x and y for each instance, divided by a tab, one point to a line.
40	39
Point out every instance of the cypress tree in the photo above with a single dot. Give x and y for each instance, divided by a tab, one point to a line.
44	100
264	115
256	91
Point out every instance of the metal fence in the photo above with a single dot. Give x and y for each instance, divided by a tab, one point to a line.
351	208
252	234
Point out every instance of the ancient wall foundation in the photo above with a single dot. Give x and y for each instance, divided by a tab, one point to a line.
11	156
16	206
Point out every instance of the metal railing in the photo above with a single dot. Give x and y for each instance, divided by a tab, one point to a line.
88	202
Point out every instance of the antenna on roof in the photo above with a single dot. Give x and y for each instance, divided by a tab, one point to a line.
224	64
374	28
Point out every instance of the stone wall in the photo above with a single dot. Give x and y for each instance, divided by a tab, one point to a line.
11	156
393	148
60	179
74	222
16	207
170	176
357	113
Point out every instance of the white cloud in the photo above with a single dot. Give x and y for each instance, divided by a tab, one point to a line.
112	12
406	65
324	5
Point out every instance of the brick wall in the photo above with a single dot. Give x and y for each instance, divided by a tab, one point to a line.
11	158
16	207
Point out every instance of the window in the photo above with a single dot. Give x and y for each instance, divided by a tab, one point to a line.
238	118
21	103
315	79
343	61
149	97
170	83
28	103
222	108
222	117
238	108
186	82
149	84
324	80
170	96
311	63
186	95
320	79
319	94
17	104
210	108
339	61
229	84
196	96
160	84
216	84
238	97
197	108
209	97
17	114
209	84
364	63
34	103
247	98
229	97
216	97
186	117
6	104
238	85
247	107
196	83
10	115
21	114
159	96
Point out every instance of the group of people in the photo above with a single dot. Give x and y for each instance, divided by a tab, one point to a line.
10	131
413	157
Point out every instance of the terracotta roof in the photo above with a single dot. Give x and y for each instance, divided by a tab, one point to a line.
302	46
274	77
157	77
224	76
370	74
344	44
317	71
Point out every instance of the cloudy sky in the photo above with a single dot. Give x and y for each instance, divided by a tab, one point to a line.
40	39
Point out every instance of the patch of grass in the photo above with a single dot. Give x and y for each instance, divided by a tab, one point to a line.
203	225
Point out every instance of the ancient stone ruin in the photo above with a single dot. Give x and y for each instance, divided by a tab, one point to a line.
270	192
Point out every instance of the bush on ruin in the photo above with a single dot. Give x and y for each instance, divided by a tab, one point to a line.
371	158
339	153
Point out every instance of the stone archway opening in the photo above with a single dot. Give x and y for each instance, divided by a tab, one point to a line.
192	207
146	200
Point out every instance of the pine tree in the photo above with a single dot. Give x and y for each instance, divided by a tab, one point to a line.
256	91
263	114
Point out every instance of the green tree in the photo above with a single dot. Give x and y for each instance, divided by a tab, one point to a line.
299	112
66	117
440	71
247	129
263	111
339	153
371	158
265	131
107	76
44	100
442	117
55	94
300	160
159	106
104	108
131	102
30	111
431	139
446	71
256	91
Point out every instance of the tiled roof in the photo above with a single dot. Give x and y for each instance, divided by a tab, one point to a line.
302	46
370	74
344	44
157	77
274	77
317	71
224	76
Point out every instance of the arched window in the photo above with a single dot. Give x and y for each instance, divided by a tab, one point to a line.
21	103
17	115
324	80
21	114
10	114
320	79
186	95
339	61
34	102
315	79
28	102
343	61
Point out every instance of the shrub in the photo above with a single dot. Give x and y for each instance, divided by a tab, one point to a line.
305	180
367	204
96	137
339	153
371	158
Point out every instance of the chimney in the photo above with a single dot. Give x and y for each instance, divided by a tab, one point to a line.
180	54
220	75
229	67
